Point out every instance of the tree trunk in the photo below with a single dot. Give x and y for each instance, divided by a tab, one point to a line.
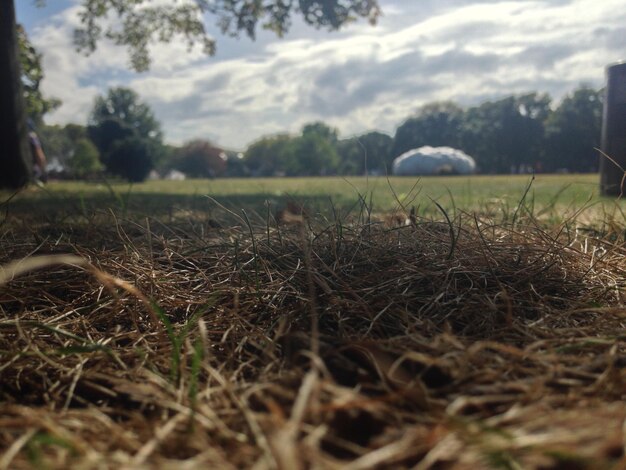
15	159
612	173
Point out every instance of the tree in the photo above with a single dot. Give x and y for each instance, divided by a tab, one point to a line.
573	132
200	159
75	132
106	133
435	124
60	142
311	155
321	130
506	134
15	163
56	143
235	165
371	150
131	158
314	152
268	156
121	118
85	159
31	76
123	105
71	147
140	23
139	26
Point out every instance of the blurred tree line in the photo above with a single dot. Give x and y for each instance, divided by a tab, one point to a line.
522	133
515	134
525	132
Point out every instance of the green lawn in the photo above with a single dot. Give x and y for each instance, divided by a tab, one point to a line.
548	195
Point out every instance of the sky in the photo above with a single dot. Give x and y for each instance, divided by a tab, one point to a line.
359	79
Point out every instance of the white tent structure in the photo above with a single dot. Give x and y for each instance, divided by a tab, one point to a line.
433	161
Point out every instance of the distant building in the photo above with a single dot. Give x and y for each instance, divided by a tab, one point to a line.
175	175
433	161
56	168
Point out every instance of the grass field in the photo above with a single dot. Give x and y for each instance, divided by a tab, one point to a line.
547	195
153	327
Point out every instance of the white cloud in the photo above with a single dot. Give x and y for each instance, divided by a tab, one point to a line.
360	79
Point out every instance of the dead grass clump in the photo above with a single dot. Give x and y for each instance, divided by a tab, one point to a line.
454	344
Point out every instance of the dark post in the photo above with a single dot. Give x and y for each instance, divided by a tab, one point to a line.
15	159
614	132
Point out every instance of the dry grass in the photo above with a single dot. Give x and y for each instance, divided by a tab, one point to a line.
439	344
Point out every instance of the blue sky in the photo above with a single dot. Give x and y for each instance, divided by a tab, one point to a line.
359	79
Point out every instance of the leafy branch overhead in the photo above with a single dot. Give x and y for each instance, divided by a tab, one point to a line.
32	75
136	24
